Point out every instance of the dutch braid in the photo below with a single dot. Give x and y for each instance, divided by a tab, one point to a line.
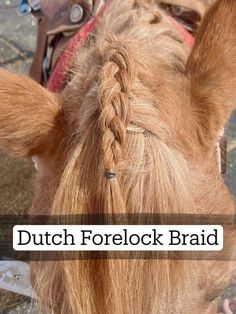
114	101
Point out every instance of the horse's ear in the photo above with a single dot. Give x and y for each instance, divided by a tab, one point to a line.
211	68
29	115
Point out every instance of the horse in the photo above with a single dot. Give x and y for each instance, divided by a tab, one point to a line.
134	131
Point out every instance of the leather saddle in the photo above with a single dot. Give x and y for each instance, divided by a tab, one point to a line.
59	21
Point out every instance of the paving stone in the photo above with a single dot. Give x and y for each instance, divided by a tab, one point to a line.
230	178
5	50
17	37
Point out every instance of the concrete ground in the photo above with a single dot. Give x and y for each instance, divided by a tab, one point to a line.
17	44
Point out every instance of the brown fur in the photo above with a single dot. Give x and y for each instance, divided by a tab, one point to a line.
133	106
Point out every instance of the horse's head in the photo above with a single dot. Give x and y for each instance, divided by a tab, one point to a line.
135	130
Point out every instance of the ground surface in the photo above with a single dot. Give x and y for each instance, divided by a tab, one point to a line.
17	44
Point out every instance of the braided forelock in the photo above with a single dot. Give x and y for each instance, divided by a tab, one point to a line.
114	99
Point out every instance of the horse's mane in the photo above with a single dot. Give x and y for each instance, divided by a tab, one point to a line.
116	108
114	104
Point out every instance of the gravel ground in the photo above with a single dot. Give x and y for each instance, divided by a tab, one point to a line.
17	44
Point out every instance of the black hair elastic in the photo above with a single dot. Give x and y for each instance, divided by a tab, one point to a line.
110	174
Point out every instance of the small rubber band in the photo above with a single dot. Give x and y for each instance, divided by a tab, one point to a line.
110	174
